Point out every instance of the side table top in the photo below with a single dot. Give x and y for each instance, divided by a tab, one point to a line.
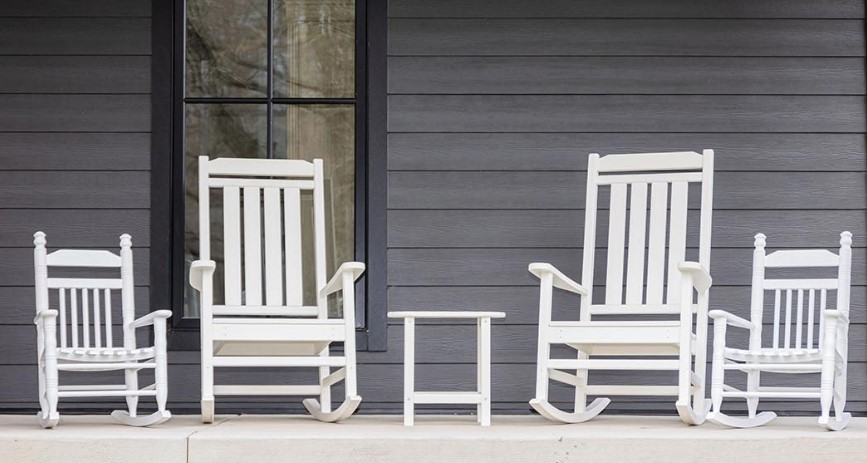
446	314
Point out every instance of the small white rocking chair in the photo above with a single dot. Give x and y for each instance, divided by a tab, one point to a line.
627	341
85	331
264	323
813	339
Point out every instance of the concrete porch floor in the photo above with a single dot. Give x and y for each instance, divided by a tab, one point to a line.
440	439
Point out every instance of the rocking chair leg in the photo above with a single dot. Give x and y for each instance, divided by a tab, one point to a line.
325	393
581	387
51	418
826	391
207	391
752	386
717	379
132	385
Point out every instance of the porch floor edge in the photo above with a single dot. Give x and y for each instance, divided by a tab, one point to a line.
440	439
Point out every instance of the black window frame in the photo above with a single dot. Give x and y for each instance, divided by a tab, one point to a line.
167	181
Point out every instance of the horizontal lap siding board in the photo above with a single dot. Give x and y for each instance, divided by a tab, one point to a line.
495	105
625	113
75	153
568	151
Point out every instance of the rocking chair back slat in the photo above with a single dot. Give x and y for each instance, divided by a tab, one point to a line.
109	341
637	235
677	239
292	238
616	242
97	320
811	317
777	319
656	248
788	325
252	249
823	304
74	318
273	253
232	244
61	297
262	232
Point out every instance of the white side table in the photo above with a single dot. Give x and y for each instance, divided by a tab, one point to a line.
481	397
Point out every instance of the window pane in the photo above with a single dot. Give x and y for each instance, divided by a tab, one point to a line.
314	48
324	132
216	131
227	48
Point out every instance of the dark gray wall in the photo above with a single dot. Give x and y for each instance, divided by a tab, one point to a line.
74	151
493	107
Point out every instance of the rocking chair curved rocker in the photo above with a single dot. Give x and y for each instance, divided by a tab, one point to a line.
263	321
673	309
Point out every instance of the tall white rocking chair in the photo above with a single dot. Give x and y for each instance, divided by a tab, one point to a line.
84	311
653	316
263	321
810	334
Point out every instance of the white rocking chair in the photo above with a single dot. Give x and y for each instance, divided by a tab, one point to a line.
88	345
815	341
264	323
626	341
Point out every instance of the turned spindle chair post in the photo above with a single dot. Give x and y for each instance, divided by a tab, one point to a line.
655	308
83	322
809	334
262	321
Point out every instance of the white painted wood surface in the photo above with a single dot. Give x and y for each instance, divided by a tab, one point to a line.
800	350
90	303
643	278
263	321
481	397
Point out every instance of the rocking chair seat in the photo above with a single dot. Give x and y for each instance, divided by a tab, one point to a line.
104	354
769	355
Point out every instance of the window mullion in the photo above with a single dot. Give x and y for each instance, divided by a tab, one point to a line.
270	80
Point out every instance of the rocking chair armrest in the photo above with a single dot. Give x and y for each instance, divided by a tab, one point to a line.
836	314
701	279
151	318
561	281
336	282
731	319
198	270
49	314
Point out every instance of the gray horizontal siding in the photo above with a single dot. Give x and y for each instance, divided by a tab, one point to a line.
625	113
626	37
663	9
568	151
625	75
494	106
76	8
75	36
75	74
566	190
74	153
75	113
564	228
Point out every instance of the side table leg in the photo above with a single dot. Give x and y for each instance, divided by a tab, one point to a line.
408	371
479	407
485	371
